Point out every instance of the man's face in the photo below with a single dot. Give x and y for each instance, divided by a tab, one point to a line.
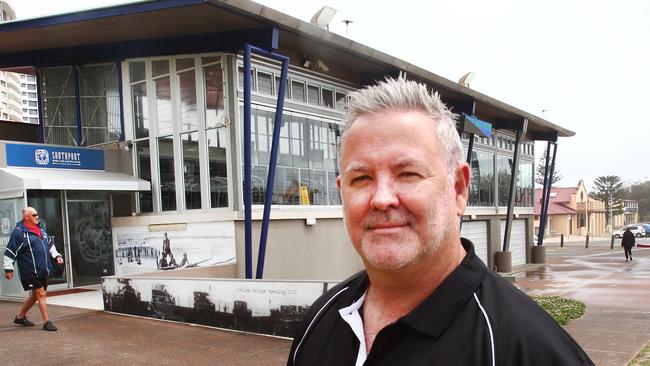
398	204
31	217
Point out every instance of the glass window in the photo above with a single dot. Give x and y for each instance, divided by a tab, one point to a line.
214	110
210	60
287	91
328	98
306	159
189	117
340	101
166	170
164	106
481	190
160	67
191	170
59	106
143	169
99	104
140	110
218	166
264	83
312	94
31	87
297	90
524	191
184	63
31	78
241	78
137	71
504	167
31	103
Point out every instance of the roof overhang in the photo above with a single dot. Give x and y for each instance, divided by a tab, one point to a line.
146	28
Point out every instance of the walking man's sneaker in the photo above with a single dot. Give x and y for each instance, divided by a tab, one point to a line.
23	321
49	326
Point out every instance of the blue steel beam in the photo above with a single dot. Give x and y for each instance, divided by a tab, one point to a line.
248	185
277	126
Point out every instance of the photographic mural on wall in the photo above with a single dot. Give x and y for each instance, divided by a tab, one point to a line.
273	308
139	250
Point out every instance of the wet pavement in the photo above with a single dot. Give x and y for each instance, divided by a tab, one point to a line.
616	324
614	328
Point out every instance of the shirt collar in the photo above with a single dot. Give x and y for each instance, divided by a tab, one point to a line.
437	311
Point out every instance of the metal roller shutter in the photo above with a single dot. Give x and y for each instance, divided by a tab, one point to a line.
476	231
517	240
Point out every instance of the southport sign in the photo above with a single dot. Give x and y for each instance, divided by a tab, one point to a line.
48	156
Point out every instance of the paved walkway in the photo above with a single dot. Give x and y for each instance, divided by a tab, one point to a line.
616	324
612	331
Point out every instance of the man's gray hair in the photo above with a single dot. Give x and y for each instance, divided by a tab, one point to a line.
402	94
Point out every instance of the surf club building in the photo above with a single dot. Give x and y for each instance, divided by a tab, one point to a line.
155	152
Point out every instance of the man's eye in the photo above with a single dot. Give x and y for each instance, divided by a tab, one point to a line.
359	179
409	174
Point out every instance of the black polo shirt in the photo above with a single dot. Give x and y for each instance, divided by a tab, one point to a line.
473	318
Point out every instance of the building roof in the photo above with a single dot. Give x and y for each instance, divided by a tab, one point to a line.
114	32
558	202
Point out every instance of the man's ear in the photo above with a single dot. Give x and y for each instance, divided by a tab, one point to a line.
461	187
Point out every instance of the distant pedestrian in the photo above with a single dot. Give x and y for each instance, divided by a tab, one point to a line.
31	247
627	243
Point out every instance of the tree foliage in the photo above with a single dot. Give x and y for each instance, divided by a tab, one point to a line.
606	186
540	170
641	192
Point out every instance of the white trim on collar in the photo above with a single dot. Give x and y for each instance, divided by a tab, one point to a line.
351	316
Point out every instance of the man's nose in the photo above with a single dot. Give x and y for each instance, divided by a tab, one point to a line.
385	196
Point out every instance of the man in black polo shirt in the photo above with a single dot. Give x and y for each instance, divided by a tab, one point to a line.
425	297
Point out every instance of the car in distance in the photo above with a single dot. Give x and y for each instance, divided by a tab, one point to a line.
637	230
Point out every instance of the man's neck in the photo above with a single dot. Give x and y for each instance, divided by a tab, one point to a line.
407	287
391	295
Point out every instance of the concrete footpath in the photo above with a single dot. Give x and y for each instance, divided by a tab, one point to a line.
614	328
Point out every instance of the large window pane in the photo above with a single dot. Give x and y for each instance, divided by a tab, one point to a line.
216	142
100	104
214	111
59	106
524	191
164	106
504	167
143	167
312	94
166	168
264	83
140	110
328	98
481	190
191	170
189	117
297	91
137	71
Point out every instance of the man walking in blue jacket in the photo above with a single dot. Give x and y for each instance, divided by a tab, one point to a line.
30	246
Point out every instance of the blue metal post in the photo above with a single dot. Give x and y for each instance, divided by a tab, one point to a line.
248	186
277	126
39	96
121	96
77	95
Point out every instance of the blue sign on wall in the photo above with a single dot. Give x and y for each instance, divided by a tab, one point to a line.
47	156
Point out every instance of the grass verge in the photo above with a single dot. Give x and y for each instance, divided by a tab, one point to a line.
562	309
643	358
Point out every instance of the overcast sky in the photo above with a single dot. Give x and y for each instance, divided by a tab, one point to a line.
582	65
